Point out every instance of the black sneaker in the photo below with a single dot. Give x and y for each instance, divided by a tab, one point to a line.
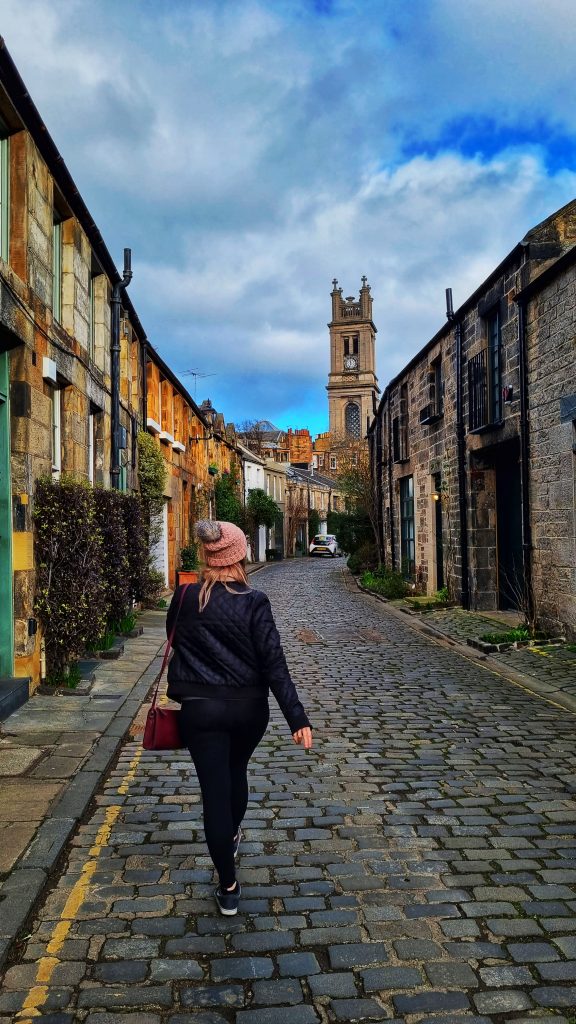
228	901
237	840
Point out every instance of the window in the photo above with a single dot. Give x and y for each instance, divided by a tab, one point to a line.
57	267
477	397
333	462
355	342
346	346
56	432
352	420
312	505
94	290
400	449
407	545
436	388
494	367
95	441
91	318
4	192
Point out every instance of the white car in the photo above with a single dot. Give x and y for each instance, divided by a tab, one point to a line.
324	544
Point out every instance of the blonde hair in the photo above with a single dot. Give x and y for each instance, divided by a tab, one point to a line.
224	574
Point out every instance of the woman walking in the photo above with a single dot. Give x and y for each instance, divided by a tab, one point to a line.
227	654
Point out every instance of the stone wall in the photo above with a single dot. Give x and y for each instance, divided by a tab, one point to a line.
551	349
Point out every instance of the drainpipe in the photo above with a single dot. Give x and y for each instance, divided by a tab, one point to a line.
525	463
460	454
391	489
116	303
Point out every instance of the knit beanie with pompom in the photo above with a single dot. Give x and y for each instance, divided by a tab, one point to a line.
224	544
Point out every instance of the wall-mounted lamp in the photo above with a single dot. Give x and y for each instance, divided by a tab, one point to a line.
508	394
435	496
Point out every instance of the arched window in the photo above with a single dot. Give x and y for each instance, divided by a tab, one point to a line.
352	420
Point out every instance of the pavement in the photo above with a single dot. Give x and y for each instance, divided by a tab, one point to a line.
419	864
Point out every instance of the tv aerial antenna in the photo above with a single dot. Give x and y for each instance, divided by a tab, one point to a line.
197	374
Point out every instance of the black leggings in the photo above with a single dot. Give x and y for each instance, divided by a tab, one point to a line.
221	735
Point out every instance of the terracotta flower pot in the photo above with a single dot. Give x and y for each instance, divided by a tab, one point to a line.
187	576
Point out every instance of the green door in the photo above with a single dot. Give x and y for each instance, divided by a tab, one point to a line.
6	608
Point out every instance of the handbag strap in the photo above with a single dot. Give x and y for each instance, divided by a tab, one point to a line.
169	643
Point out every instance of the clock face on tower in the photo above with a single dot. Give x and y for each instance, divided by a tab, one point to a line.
351	362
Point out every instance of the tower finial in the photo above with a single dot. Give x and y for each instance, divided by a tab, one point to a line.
334	282
364	280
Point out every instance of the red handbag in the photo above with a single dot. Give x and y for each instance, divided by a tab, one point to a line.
162	729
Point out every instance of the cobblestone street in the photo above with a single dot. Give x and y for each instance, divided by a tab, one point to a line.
418	864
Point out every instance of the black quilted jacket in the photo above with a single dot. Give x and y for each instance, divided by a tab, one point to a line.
231	649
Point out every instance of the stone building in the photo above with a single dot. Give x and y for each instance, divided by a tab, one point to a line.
197	451
449	441
548	323
78	376
300	448
56	402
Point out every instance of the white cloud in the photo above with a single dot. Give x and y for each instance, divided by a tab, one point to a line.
250	151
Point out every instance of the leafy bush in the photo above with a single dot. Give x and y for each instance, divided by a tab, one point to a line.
115	563
313	523
70	599
69	678
137	553
229	508
261	509
352	531
155	584
364	557
189	557
443	595
151	481
386	582
127	624
509	637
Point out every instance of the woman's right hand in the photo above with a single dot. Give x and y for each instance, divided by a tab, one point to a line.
303	736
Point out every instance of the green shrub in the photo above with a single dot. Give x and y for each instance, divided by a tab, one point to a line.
151	481
70	598
509	637
155	584
229	508
443	595
127	624
115	562
189	557
363	558
351	529
69	678
313	523
386	582
137	553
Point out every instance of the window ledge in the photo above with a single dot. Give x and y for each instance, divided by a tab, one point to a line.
153	426
178	446
487	427
166	438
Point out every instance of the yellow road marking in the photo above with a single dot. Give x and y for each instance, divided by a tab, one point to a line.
47	964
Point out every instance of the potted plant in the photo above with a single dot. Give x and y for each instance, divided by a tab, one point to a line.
189	566
213	469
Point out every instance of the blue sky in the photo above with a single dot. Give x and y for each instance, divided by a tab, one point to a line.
251	150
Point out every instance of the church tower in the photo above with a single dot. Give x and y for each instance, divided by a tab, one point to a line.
352	383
